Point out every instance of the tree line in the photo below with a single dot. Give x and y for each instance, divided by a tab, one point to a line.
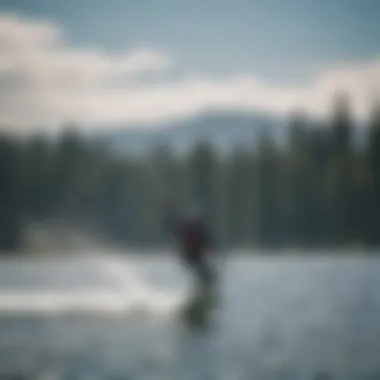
319	188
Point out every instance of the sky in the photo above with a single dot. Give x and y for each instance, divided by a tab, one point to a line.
122	62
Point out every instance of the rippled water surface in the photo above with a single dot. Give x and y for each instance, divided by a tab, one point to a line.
120	318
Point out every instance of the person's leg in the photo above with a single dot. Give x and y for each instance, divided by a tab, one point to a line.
199	266
204	271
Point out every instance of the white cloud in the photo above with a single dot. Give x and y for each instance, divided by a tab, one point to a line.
17	33
46	82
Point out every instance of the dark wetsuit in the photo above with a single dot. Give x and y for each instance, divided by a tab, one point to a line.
194	244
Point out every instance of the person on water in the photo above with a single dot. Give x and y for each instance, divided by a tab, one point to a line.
194	240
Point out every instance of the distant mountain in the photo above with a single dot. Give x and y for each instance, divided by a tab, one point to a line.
224	131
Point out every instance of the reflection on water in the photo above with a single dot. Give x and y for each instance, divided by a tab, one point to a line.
269	319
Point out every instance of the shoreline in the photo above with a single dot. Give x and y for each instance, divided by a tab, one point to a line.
142	254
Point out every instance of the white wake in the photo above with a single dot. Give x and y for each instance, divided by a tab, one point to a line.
129	293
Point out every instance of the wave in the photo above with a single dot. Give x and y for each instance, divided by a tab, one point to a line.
92	302
129	294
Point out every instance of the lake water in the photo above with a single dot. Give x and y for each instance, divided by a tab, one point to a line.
118	317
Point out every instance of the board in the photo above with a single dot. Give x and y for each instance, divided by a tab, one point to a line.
197	310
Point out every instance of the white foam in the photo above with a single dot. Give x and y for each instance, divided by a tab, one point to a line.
58	303
130	293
